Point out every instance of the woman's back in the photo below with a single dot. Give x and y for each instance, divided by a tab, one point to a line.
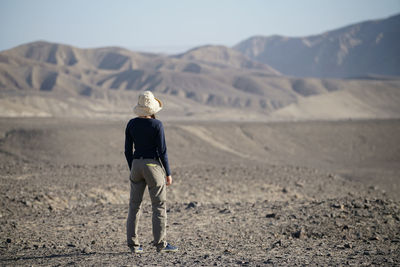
144	134
147	136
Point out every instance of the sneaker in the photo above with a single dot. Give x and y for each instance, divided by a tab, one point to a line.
136	249
168	248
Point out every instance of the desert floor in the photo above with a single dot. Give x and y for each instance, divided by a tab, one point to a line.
252	194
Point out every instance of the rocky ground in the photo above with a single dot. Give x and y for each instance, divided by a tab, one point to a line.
64	197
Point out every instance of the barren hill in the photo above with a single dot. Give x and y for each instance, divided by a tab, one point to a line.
370	47
224	57
210	82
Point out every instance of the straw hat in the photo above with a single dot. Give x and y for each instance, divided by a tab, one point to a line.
147	104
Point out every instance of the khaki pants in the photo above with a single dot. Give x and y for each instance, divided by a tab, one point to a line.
147	172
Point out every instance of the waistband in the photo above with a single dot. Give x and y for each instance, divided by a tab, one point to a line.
155	158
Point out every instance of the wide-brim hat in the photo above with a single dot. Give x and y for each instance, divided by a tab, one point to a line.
147	104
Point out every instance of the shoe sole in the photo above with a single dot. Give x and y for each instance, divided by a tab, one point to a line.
168	251
137	251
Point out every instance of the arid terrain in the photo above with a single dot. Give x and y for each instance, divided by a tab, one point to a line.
284	151
244	193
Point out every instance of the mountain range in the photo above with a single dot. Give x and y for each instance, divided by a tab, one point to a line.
359	50
206	83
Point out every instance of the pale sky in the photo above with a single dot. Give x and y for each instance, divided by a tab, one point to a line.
173	26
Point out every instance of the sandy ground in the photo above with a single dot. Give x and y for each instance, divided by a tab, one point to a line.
251	194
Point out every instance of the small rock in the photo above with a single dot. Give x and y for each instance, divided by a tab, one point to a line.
8	240
284	190
376	237
298	184
71	245
338	206
86	250
298	234
27	203
192	205
270	215
348	245
225	211
226	251
93	242
269	261
277	244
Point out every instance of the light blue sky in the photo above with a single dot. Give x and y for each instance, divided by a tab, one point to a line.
176	25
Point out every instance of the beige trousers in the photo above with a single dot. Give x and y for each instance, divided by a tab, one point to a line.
147	172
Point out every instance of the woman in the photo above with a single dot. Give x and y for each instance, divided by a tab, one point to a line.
149	167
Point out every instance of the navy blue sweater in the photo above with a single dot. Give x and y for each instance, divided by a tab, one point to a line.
148	137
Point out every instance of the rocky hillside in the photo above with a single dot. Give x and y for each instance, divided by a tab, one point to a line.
209	82
362	49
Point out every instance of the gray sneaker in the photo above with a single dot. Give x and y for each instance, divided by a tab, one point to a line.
136	249
168	248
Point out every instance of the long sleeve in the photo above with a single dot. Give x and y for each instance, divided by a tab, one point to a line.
128	147
162	150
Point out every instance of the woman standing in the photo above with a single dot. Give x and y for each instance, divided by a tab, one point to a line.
149	167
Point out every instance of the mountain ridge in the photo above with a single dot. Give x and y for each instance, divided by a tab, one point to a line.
359	49
208	82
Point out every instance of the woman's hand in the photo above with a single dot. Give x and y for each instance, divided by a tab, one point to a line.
169	180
